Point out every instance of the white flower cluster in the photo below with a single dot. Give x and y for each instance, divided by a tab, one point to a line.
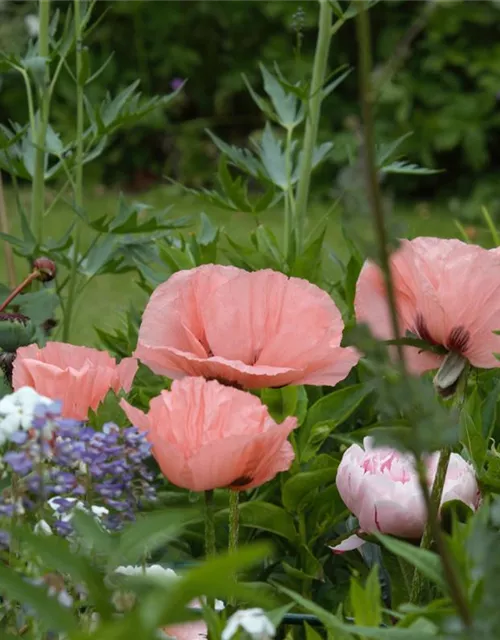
32	25
42	527
17	411
253	621
155	571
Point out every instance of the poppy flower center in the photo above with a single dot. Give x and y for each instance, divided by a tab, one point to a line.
457	340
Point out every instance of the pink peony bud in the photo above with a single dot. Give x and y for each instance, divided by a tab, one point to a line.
380	487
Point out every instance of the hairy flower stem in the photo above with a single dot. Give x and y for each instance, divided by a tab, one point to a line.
234	520
210	549
78	193
42	123
452	577
306	582
367	98
34	275
418	582
313	116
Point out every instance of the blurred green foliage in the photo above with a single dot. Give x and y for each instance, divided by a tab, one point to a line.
445	57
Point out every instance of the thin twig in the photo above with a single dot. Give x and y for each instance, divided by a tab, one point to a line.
4	226
367	98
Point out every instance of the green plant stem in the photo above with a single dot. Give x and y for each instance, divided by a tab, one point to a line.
78	188
306	583
288	230
452	577
38	188
451	574
314	112
418	581
367	97
234	520
210	549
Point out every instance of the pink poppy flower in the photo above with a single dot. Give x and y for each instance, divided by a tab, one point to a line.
380	487
254	330
78	376
447	293
206	435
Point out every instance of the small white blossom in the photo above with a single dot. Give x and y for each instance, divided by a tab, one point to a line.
254	621
32	24
155	571
98	512
43	528
17	411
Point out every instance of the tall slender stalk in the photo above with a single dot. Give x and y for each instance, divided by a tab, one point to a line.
210	549
311	132
78	181
418	581
367	97
288	230
234	520
39	136
7	248
451	574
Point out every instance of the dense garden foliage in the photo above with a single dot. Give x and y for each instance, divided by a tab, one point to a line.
445	91
286	441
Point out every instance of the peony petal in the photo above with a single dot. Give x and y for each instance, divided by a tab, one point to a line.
349	544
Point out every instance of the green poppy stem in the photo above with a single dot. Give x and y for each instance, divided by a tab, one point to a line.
210	549
234	520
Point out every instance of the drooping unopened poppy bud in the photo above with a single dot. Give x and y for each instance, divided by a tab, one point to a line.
46	268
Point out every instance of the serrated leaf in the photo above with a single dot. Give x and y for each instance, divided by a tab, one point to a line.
334	409
150	532
285	105
408	168
297	490
50	612
268	517
427	562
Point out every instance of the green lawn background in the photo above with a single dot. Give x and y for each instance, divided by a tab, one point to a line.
107	297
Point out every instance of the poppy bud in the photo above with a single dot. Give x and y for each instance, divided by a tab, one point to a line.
46	268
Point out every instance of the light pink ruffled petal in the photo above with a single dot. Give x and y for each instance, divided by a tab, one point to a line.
349	544
206	435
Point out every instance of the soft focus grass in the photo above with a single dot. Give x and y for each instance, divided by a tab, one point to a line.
107	297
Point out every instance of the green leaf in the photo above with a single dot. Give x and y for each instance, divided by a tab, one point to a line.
56	555
40	305
473	439
268	517
335	83
216	577
267	244
273	158
307	265
93	538
334	409
428	563
286	105
489	411
332	623
408	168
341	630
284	402
418	343
366	601
297	490
150	532
98	256
49	611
